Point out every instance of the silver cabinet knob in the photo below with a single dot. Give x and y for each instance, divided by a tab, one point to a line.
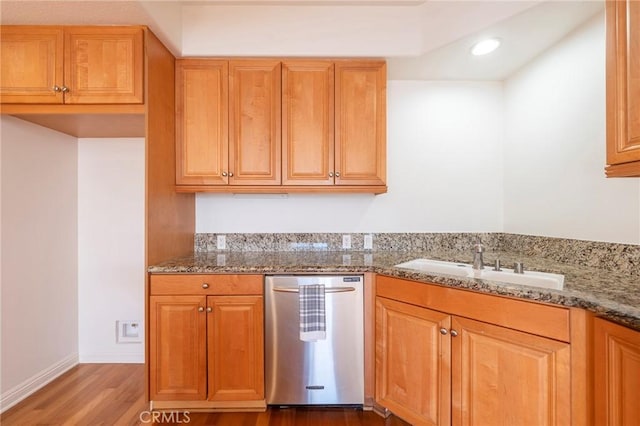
230	174
64	89
224	174
330	174
209	309
200	309
337	174
454	333
57	89
205	285
443	331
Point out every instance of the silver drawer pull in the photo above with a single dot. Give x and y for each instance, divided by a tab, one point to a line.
326	290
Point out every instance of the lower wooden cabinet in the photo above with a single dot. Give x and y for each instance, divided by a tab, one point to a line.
506	377
178	348
206	348
236	356
617	374
438	368
413	363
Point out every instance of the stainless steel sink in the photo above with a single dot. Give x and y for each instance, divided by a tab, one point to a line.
528	278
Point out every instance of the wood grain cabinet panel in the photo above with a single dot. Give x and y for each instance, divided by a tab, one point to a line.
31	61
103	65
506	377
254	131
235	327
617	374
206	349
177	348
72	65
360	123
202	139
623	88
294	126
413	377
437	368
307	123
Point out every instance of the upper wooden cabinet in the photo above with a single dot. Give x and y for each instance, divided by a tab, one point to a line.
293	126
202	138
254	131
71	65
623	88
307	123
361	118
617	374
31	64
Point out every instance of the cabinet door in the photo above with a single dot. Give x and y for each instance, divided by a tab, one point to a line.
617	374
307	123
254	131
623	87
31	64
177	348
506	377
236	348
202	103
103	65
413	376
360	122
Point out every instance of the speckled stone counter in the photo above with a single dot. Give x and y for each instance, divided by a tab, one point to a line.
612	295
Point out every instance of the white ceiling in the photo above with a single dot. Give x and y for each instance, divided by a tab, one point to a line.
523	37
421	39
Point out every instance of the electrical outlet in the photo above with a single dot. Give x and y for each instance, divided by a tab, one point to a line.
368	242
346	241
222	242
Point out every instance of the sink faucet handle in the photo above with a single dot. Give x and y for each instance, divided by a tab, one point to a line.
498	265
518	268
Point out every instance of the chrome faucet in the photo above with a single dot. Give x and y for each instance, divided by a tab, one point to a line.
478	249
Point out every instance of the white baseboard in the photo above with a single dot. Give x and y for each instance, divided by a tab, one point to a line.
16	394
112	358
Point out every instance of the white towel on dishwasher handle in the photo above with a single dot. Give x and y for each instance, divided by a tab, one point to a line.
313	324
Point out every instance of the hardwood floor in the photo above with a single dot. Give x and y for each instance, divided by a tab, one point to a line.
113	394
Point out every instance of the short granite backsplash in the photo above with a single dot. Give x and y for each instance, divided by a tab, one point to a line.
623	258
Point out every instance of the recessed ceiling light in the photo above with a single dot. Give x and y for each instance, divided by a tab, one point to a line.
485	46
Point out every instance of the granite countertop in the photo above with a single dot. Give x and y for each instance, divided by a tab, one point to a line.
612	295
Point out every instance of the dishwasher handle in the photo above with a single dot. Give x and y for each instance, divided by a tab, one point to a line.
326	290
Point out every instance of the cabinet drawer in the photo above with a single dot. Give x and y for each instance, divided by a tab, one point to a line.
530	317
207	284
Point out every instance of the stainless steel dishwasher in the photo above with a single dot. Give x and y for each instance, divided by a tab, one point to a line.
324	372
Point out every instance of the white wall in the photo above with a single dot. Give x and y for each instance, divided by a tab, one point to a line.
444	172
110	245
39	257
300	30
555	147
